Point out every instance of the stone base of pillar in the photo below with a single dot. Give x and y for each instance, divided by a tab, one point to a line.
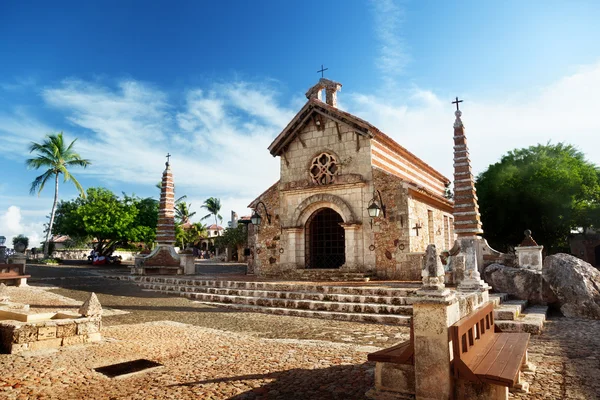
163	260
479	391
188	263
393	381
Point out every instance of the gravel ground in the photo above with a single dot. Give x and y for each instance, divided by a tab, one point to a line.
211	353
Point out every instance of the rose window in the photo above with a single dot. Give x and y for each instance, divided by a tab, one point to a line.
323	169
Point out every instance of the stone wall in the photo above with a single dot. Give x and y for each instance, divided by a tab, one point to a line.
265	241
433	226
391	233
16	337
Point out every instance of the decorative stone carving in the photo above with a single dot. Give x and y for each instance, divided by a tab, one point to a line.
529	253
433	270
323	169
91	307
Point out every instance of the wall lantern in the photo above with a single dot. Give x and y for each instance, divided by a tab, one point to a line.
2	240
256	218
375	209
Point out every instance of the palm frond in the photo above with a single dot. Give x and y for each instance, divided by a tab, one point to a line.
38	183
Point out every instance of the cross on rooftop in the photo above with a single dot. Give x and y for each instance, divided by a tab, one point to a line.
322	70
456	102
168	157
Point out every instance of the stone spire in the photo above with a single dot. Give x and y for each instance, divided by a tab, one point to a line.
467	220
165	231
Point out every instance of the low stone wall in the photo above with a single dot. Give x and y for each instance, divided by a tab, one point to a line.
16	337
82	254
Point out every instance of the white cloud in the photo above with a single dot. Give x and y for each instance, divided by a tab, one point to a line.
12	224
422	120
393	55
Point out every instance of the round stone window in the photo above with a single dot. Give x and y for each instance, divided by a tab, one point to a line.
323	169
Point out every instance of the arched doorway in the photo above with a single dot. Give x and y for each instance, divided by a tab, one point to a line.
325	241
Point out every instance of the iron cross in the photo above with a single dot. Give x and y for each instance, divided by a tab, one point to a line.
456	102
417	227
322	71
168	157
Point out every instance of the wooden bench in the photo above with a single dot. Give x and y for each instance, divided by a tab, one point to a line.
403	353
481	354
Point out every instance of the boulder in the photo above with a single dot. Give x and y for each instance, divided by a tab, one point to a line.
576	285
521	283
91	307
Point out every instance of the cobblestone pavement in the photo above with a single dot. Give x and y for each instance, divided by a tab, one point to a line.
211	353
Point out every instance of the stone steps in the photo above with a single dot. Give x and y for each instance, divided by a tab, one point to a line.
279	286
509	310
531	321
338	316
287	295
366	308
498	298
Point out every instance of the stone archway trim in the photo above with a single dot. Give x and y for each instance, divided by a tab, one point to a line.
312	203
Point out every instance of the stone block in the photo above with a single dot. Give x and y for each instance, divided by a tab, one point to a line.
25	334
395	377
72	340
85	328
66	330
93	337
46	332
17	348
46	344
479	391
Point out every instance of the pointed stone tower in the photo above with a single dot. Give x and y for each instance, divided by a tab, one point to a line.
467	220
163	260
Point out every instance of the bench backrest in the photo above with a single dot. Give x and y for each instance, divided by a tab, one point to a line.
473	331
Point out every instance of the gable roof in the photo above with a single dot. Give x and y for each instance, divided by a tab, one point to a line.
360	126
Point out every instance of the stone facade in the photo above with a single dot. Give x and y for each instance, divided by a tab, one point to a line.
333	160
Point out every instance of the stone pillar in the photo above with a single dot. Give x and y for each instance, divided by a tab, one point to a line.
471	281
351	234
434	311
295	248
529	253
21	259
188	263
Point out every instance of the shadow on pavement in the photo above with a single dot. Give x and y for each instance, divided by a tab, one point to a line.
337	382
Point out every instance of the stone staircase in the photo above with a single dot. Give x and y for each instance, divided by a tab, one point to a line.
376	304
517	316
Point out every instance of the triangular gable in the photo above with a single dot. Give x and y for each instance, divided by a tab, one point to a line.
316	109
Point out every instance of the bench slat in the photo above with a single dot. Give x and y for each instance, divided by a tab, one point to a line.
507	368
399	354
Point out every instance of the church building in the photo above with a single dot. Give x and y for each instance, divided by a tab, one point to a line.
349	200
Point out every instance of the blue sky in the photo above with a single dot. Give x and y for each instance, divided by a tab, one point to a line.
214	82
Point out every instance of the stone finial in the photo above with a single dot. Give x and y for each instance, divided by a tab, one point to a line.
528	241
433	270
91	307
4	297
458	122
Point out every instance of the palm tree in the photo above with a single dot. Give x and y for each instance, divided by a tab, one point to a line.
213	205
182	210
54	155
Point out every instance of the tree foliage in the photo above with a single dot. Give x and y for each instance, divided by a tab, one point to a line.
232	237
21	239
56	158
190	235
550	189
110	220
213	205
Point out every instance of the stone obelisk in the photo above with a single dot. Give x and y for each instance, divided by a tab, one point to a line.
467	220
163	260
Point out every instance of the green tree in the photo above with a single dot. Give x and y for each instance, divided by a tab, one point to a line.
232	237
550	189
190	235
183	212
102	216
56	157
21	239
213	205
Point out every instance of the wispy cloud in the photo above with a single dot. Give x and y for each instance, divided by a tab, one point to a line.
393	53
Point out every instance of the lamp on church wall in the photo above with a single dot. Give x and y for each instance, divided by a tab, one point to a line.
256	218
375	209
